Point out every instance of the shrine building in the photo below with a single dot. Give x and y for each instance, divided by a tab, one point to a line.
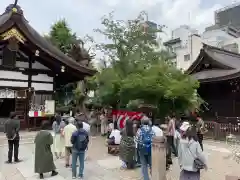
218	72
30	67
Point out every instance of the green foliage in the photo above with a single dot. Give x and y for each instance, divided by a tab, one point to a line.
140	70
61	36
79	96
64	39
130	47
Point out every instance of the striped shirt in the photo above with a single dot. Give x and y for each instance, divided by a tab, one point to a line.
140	133
171	127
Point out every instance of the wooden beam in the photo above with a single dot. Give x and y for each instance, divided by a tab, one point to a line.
48	61
27	71
20	80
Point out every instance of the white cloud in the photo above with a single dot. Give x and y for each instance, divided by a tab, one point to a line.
84	15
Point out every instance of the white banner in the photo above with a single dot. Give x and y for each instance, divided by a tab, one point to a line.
49	107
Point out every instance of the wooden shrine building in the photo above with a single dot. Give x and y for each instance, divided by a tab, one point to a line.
30	67
218	72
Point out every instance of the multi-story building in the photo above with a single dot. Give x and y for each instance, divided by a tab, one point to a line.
185	45
228	16
225	33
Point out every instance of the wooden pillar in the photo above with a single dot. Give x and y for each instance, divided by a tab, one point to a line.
29	93
159	158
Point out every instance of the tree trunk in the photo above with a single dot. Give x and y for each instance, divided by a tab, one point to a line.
82	107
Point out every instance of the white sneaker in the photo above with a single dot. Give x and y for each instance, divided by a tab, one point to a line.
74	177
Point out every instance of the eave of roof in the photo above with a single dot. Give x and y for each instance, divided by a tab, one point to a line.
229	59
10	19
216	75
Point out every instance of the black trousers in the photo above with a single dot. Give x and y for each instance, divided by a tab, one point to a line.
13	145
171	146
200	139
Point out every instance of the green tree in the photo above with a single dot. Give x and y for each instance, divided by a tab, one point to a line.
140	69
63	38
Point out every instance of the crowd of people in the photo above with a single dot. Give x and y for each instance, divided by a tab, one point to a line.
70	138
184	141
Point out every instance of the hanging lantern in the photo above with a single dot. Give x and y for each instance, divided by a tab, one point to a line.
62	68
37	53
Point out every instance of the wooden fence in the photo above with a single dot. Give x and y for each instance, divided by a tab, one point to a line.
219	131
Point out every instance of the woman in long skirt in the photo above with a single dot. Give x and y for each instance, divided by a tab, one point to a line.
58	141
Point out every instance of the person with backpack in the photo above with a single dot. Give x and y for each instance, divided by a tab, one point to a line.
80	140
144	139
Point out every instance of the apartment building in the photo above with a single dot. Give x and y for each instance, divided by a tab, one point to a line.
185	45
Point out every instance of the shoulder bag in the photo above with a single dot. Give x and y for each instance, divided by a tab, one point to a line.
198	164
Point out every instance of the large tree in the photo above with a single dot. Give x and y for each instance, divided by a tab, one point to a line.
63	38
140	69
66	40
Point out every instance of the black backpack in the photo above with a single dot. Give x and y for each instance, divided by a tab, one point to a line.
82	141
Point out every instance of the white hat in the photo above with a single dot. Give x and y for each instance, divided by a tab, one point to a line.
185	125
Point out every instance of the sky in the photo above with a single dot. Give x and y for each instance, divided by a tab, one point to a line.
85	15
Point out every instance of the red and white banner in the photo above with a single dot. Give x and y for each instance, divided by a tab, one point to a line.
121	116
36	114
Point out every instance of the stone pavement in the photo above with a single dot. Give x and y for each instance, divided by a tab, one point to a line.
101	166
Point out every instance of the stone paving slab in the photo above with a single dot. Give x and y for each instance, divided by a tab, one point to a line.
94	170
101	166
23	134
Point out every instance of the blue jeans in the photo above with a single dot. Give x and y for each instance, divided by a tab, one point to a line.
81	156
145	162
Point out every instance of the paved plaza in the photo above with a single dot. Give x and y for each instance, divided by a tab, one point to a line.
101	166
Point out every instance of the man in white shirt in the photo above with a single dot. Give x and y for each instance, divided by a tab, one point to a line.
67	132
86	127
156	129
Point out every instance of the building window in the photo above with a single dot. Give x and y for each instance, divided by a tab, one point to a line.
187	57
231	47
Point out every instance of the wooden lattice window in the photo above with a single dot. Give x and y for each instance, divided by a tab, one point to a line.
10	53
